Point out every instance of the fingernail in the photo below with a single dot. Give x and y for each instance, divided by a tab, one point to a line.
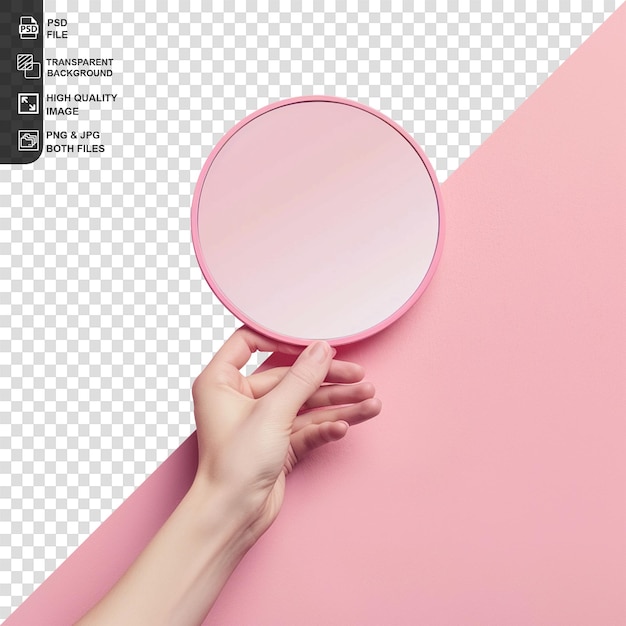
319	351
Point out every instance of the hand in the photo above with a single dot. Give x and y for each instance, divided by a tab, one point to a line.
251	433
253	430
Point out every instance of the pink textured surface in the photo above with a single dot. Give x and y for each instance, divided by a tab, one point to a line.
491	490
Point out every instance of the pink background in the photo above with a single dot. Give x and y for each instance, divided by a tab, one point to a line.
492	488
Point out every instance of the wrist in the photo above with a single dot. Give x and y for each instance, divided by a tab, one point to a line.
219	512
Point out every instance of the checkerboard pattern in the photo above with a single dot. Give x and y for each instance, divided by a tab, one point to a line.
105	318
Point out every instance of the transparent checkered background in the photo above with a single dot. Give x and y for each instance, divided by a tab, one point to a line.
105	318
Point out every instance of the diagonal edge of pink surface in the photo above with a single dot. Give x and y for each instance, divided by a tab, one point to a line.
504	447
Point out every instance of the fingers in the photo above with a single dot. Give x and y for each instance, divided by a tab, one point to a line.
351	414
330	395
243	343
315	435
263	382
314	429
340	372
301	380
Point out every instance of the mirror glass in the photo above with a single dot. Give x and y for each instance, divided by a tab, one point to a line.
317	218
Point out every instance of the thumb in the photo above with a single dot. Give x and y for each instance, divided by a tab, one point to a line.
302	379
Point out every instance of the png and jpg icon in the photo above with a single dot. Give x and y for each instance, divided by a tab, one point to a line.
28	140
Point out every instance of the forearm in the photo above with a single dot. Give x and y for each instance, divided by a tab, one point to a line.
178	576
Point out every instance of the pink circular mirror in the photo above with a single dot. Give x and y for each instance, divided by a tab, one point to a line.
317	218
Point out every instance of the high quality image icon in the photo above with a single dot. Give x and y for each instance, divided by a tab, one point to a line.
28	103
